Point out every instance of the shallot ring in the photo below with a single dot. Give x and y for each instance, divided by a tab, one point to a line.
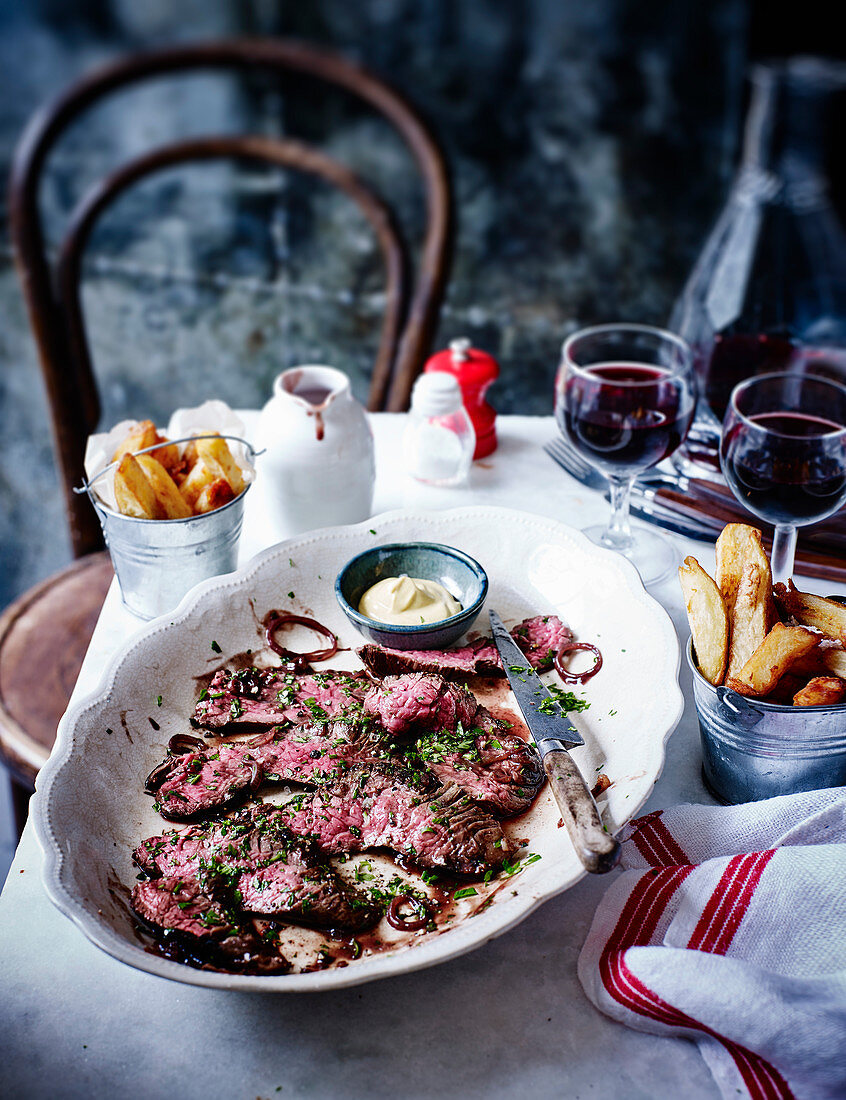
182	743
403	924
276	619
157	776
577	677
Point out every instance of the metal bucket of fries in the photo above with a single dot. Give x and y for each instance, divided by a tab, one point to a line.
769	675
158	561
753	750
171	514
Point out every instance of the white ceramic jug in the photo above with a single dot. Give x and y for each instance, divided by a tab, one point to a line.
318	468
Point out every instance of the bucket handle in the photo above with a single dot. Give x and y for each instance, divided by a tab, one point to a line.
738	705
85	487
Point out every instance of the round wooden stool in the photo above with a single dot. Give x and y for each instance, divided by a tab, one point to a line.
44	636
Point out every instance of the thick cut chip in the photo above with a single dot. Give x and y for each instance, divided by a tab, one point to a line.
833	661
787	687
214	453
199	478
750	620
133	492
706	613
827	616
773	657
739	545
824	661
139	439
822	691
168	499
143	436
215	495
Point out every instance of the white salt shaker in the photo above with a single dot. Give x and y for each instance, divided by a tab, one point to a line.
439	439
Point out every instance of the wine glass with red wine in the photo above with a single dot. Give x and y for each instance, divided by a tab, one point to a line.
624	398
783	454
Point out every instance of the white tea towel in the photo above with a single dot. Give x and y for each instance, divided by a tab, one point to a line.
728	927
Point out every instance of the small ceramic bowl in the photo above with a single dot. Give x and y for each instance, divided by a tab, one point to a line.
460	574
753	750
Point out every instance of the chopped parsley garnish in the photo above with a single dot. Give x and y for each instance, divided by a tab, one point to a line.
465	892
435	746
517	866
290	595
158	700
566	701
216	648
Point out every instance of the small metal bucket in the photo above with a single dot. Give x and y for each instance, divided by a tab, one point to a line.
158	560
753	750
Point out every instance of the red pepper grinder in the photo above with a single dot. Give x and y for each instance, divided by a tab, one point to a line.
475	371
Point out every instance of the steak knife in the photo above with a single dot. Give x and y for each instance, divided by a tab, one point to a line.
554	736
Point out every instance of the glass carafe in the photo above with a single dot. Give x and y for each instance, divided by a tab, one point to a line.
768	292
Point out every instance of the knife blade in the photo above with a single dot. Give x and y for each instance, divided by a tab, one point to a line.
554	735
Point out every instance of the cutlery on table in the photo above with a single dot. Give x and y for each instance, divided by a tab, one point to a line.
554	736
699	509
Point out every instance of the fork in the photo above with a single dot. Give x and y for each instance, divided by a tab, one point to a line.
566	455
644	499
699	509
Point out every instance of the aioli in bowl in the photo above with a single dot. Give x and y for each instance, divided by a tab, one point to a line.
405	601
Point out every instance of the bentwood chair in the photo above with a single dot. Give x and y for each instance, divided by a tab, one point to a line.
44	634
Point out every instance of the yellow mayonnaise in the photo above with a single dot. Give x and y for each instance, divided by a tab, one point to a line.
407	601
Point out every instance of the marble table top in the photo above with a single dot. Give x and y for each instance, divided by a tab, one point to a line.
510	1018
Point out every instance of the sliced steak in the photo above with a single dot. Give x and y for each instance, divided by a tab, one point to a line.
489	764
272	696
384	806
420	700
538	637
311	755
182	910
477	658
262	868
196	783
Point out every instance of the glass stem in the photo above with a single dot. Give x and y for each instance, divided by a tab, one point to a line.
618	533
784	548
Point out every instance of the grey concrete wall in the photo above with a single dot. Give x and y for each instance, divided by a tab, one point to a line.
591	145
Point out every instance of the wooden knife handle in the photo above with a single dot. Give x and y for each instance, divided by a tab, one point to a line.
595	846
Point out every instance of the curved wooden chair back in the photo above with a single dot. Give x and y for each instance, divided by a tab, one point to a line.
53	297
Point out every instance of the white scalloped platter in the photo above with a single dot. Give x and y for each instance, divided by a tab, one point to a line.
90	809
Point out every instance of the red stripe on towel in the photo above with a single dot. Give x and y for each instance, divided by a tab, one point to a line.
656	843
636	925
729	902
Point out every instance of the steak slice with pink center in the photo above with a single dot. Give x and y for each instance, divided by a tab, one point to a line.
183	911
272	696
261	867
383	806
492	766
196	783
539	637
419	700
461	742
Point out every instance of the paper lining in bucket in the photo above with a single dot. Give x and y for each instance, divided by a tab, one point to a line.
210	417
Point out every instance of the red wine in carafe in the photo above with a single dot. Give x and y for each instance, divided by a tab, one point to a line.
740	356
